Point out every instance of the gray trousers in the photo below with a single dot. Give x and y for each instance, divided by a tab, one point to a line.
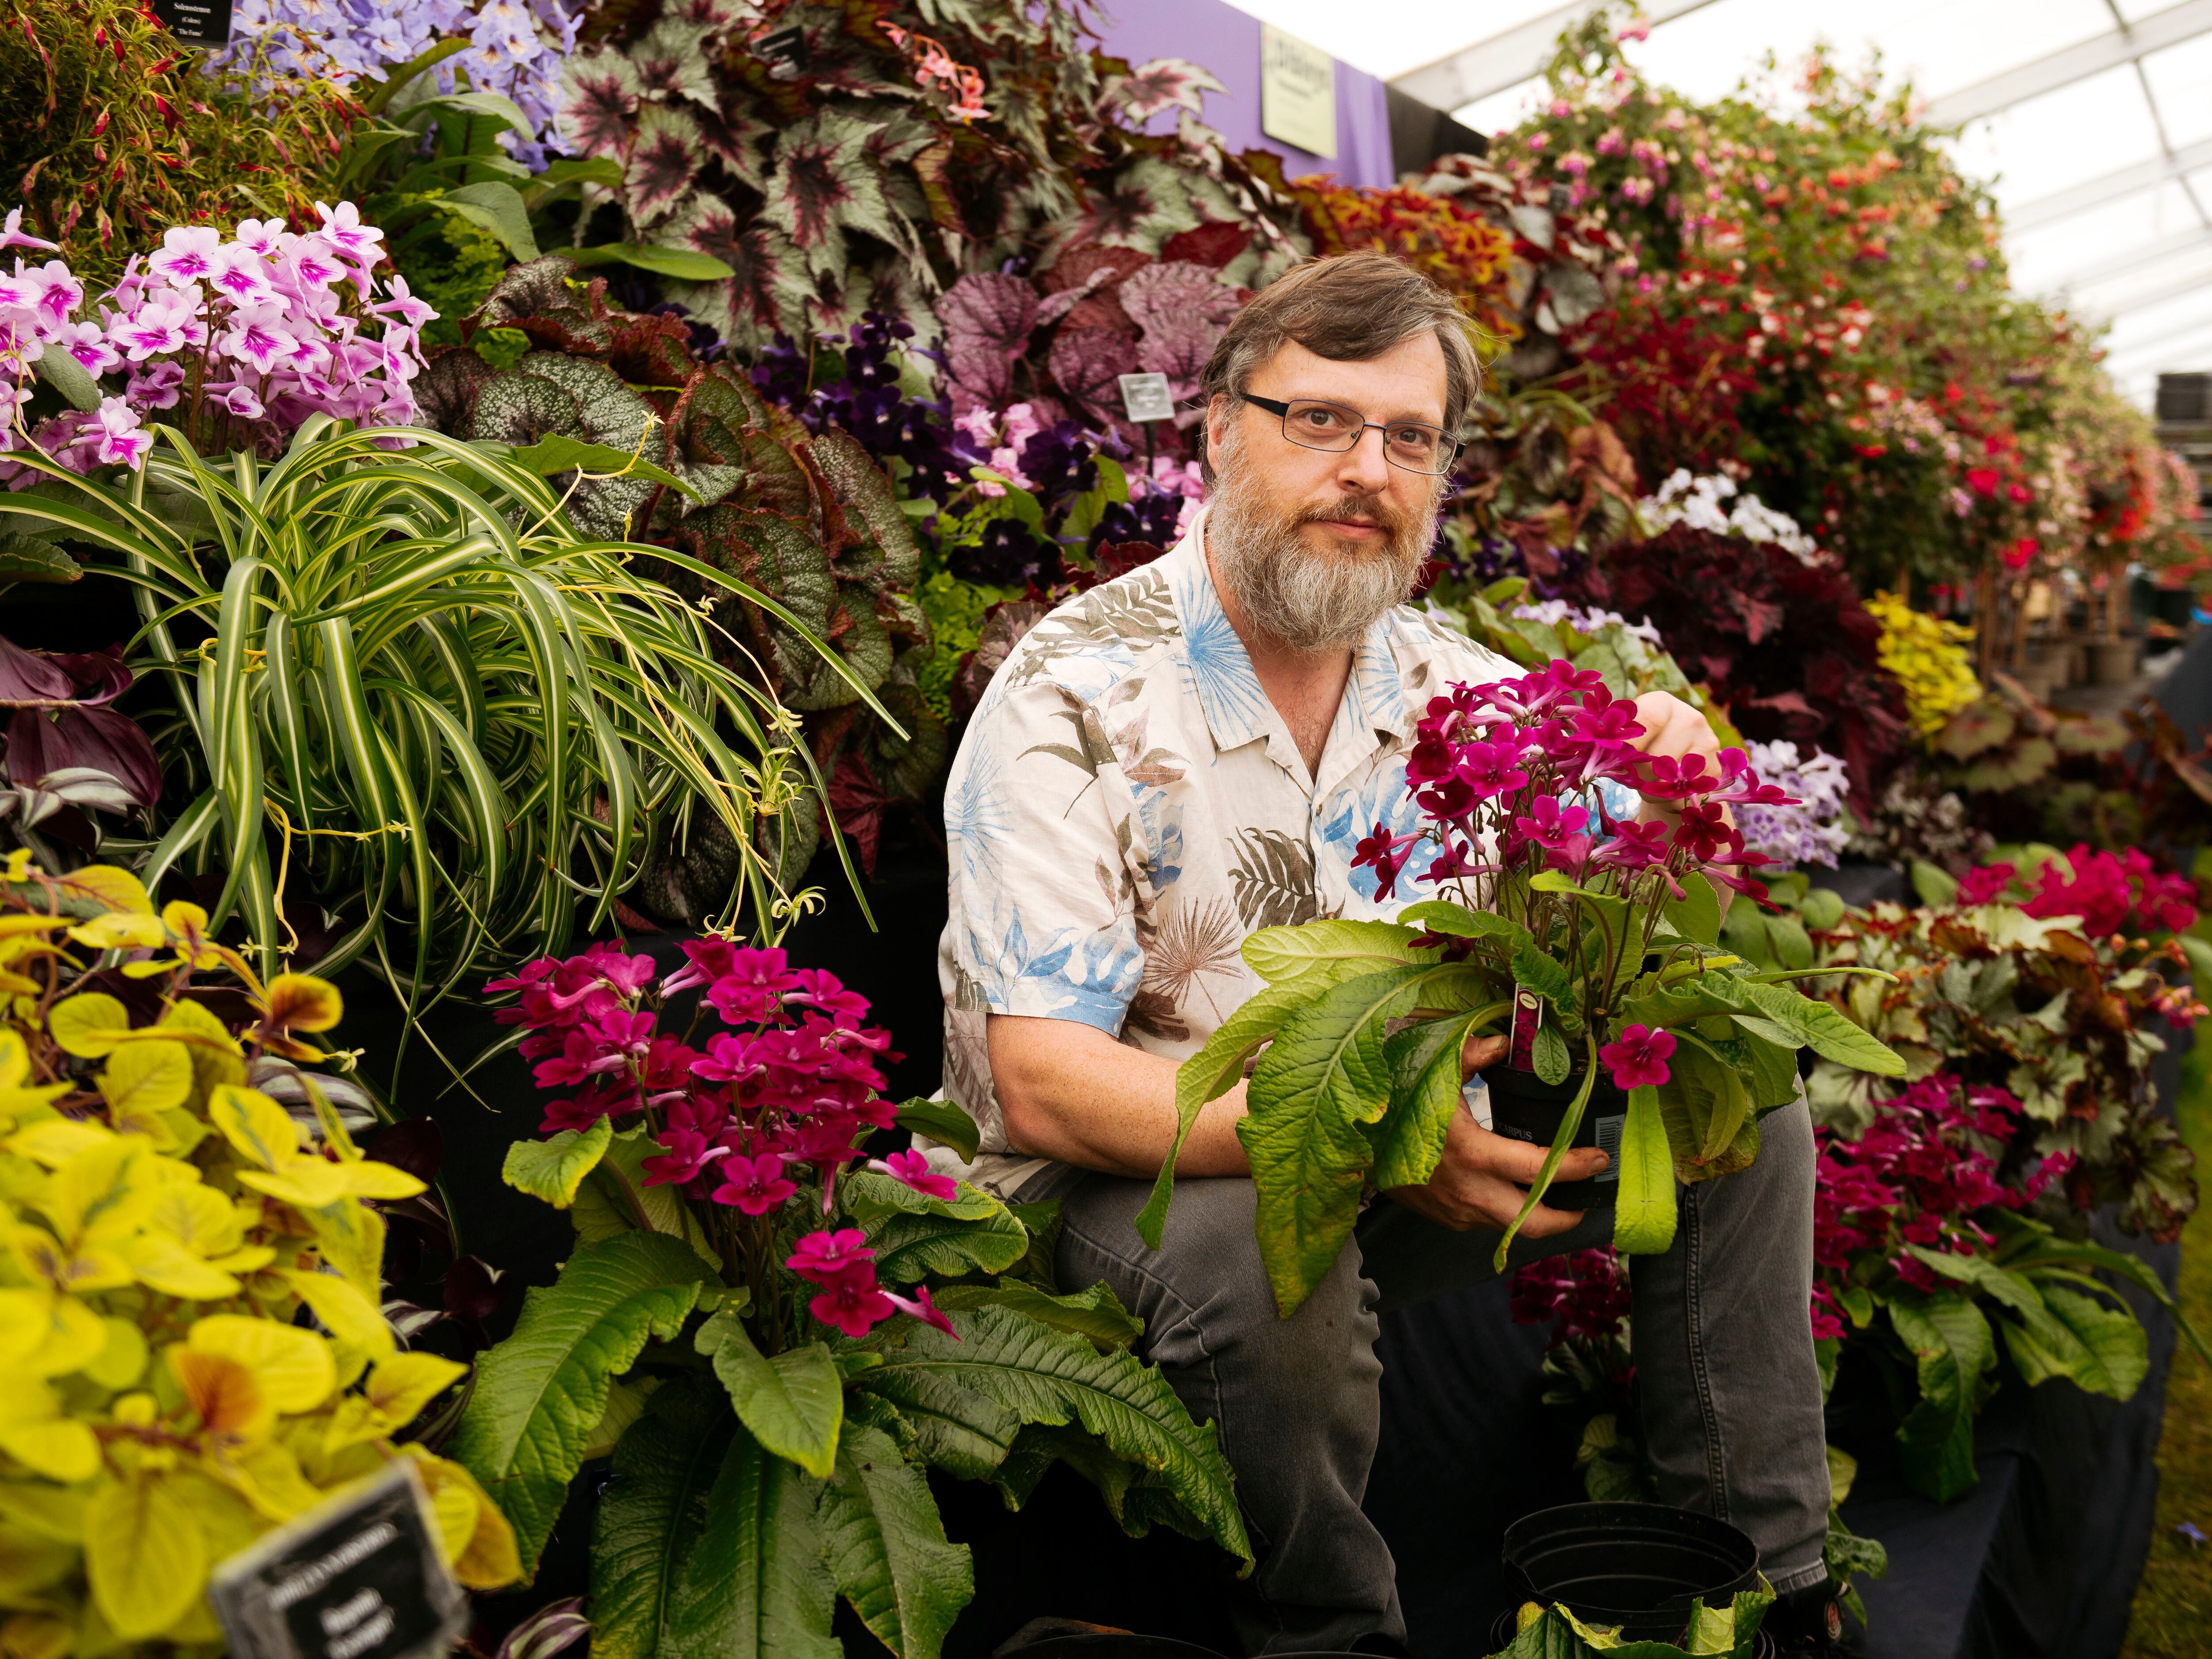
1729	1392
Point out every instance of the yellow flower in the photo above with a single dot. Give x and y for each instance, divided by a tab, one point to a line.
1927	656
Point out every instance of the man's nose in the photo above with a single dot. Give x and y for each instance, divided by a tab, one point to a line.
1362	466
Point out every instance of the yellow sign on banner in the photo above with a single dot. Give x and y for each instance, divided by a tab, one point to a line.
1297	93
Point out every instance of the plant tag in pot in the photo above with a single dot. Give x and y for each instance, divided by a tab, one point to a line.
357	1577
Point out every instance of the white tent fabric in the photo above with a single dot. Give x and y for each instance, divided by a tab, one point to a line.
2090	119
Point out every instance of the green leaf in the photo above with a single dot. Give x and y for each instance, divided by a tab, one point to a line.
1212	1072
1696	914
1821	908
886	1547
1821	1027
1937	888
684	264
1336	949
1951	1341
792	1402
943	1121
757	1580
1770	1076
1425	1096
2101	1348
497	208
1442	916
1007	1369
32	559
1553	1063
651	1516
914	1235
68	376
552	1169
1323	1079
1096	1315
1532	967
1644	1209
616	1196
539	1394
555	453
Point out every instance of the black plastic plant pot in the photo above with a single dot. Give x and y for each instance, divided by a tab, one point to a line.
1636	1567
1527	1108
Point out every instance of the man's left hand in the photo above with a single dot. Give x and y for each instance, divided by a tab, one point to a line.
1673	727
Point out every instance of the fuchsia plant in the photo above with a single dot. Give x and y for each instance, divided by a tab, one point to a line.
235	343
784	1099
1544	892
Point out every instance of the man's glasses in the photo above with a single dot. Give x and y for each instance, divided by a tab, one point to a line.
1314	425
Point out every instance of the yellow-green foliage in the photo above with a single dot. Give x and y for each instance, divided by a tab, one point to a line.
165	1223
1928	655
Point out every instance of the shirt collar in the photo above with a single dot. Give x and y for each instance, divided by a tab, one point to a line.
1236	709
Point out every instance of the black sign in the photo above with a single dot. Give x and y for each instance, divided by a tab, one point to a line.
785	49
200	22
357	1577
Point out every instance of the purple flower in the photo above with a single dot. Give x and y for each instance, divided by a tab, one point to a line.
119	439
1638	1058
12	236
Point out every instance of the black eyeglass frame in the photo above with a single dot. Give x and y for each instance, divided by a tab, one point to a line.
1281	410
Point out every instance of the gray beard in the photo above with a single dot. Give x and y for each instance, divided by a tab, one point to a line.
1307	600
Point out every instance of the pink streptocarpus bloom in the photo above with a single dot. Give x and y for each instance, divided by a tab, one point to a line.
851	1301
919	1306
187	253
261	236
119	439
820	1256
239	400
258	336
1634	847
754	1185
688	1155
912	1169
241	276
410	312
343	230
1382	850
1638	1059
1490	769
58	293
156	329
308	267
88	342
12	236
156	386
20	291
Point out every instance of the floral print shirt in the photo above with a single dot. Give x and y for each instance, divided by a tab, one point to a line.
1126	806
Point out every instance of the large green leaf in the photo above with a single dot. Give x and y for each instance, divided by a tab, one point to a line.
792	1402
685	264
943	1121
1821	1027
886	1547
1425	1096
914	1235
1321	1082
1096	1315
539	1394
554	1168
1337	948
1696	914
2101	1348
1644	1208
651	1513
1007	1369
755	1581
1951	1341
616	1197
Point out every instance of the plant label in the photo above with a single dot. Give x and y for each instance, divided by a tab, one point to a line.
197	22
1146	397
1608	1142
358	1576
1297	93
1528	1020
785	50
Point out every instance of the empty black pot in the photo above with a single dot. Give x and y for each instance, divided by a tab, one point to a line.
1637	1567
1527	1108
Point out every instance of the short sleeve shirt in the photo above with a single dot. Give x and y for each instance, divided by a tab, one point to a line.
1127	807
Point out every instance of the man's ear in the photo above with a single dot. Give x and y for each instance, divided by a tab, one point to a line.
1218	415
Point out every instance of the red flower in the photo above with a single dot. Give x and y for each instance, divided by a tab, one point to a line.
1639	1058
1983	481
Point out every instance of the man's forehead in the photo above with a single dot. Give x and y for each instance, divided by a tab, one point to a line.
1405	382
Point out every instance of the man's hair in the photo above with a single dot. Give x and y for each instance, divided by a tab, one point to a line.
1348	308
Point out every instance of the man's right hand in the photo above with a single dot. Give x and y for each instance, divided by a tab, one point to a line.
1481	1182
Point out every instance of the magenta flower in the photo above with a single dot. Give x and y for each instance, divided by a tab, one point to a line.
912	1169
1550	825
1638	1058
827	992
751	987
1663	778
851	1301
1705	832
1490	769
822	1255
754	1185
1634	847
919	1306
1382	850
688	1155
1985	885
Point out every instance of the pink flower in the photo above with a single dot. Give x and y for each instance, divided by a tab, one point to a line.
261	236
1490	769
12	236
1549	825
1666	778
1985	885
241	402
821	1256
410	312
1634	847
752	987
827	992
1638	1058
919	1306
187	253
120	439
688	1155
851	1302
1704	831
57	294
156	386
241	276
912	1169
1381	850
163	324
88	342
258	336
755	1185
343	230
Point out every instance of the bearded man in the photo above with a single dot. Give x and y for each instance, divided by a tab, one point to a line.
1190	753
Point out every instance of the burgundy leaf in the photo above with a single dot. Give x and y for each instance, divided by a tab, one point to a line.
1086	363
1212	246
415	1144
664	163
32	679
857	802
600	103
825	178
988	317
1180	311
474	1289
40	743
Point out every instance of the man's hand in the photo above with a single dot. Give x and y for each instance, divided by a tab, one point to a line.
1481	1182
1673	727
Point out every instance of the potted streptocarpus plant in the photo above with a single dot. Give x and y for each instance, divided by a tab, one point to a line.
1592	938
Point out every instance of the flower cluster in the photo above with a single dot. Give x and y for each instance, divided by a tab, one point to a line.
516	48
1928	655
785	1097
933	64
1588	620
1916	1175
1685	499
1811	832
1582	1296
2120	892
243	339
861	394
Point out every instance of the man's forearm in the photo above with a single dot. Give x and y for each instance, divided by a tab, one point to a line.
1070	1092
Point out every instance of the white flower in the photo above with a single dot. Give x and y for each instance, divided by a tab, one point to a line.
186	254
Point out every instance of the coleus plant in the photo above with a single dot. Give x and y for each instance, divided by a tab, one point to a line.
1540	888
775	1333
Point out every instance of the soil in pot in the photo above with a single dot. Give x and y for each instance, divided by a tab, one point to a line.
1525	1107
1637	1567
